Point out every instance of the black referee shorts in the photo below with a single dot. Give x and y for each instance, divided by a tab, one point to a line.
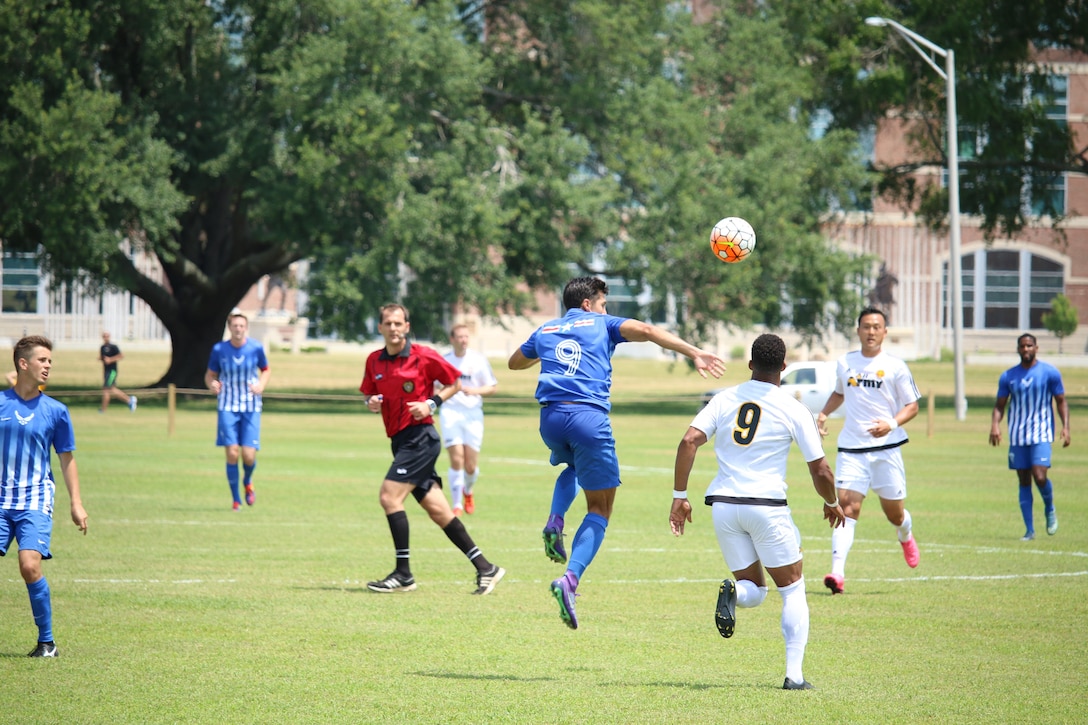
415	451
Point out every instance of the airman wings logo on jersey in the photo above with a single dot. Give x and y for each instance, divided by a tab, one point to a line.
408	386
22	420
238	360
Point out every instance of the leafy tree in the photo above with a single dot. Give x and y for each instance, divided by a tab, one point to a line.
1001	94
429	152
229	139
1062	319
694	122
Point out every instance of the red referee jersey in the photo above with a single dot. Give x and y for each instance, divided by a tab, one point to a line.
403	379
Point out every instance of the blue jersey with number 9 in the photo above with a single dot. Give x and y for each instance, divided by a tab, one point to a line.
575	354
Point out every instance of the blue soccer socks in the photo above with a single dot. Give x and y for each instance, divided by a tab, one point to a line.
587	542
42	608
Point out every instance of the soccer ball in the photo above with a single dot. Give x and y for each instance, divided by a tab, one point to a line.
732	239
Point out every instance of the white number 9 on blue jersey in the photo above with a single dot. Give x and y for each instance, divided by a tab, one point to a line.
569	352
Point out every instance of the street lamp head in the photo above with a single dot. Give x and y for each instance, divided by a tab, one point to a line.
876	22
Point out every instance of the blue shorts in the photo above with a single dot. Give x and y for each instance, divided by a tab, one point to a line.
239	429
1022	458
32	529
581	437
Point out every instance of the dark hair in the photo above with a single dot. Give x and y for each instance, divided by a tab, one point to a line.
1027	334
389	308
24	347
583	288
768	353
872	311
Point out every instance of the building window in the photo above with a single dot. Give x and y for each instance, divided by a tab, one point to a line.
1047	193
19	282
1004	290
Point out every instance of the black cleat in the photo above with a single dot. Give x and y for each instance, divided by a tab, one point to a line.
802	685
393	583
44	649
725	616
485	583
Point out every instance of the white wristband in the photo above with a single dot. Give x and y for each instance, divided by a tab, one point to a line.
679	494
833	504
892	424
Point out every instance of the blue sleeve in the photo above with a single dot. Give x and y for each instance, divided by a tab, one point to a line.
1003	385
612	324
1056	386
213	359
64	437
262	359
528	348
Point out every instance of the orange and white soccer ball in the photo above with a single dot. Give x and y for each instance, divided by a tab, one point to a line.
732	239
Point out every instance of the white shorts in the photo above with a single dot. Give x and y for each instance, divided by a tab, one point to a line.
462	427
747	533
881	471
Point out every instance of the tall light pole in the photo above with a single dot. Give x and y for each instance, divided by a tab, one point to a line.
955	282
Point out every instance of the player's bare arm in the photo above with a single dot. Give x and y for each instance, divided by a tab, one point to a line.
823	480
262	382
70	473
518	361
680	513
995	421
705	362
833	402
211	381
881	427
1063	413
420	409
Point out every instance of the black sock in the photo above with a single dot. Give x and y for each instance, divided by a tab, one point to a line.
398	527
460	538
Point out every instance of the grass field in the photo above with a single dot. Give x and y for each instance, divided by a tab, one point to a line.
176	609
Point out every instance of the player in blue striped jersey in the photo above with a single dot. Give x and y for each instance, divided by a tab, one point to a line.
31	423
1030	390
238	373
573	389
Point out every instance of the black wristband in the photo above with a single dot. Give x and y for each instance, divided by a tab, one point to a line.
437	400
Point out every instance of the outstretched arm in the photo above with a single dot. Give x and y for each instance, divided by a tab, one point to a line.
705	362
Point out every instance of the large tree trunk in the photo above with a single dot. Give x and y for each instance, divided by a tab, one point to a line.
191	348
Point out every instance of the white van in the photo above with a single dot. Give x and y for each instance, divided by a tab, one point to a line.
810	382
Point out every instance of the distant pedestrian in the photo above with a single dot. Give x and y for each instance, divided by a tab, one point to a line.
109	354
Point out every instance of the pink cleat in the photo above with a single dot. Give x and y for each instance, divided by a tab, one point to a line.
835	582
910	551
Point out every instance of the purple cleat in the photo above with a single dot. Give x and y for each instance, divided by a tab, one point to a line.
553	540
563	591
